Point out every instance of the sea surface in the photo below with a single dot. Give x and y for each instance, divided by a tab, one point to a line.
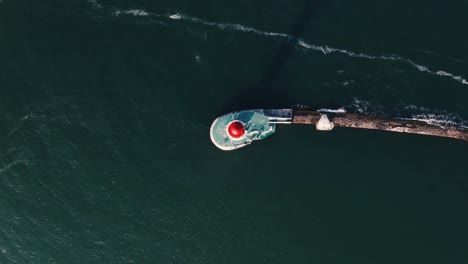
106	105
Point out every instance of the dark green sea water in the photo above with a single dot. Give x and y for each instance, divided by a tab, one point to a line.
105	109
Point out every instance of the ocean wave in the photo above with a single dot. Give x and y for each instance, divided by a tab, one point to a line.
323	49
364	107
95	4
133	12
442	56
175	16
433	119
12	164
231	26
409	112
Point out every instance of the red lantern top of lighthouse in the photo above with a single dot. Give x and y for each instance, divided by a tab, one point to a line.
236	129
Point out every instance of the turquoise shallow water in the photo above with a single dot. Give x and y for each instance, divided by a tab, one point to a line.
105	109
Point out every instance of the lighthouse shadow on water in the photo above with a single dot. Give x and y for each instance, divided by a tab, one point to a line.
265	94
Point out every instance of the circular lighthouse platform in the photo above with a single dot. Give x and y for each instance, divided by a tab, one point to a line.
238	129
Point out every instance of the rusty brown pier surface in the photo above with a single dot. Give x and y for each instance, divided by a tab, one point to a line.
310	117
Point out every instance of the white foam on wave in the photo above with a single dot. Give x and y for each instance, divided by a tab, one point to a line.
413	112
327	50
458	78
116	12
442	56
198	59
229	26
323	49
364	107
300	42
336	111
175	16
434	119
95	4
133	12
13	164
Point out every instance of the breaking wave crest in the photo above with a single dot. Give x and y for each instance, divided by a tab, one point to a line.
410	112
224	26
323	49
435	117
134	12
299	42
12	164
